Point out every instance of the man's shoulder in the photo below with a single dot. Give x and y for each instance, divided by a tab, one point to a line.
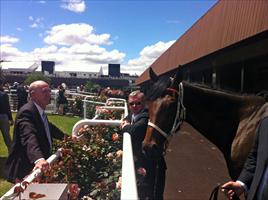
28	107
142	115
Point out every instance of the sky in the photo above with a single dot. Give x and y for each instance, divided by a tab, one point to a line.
86	35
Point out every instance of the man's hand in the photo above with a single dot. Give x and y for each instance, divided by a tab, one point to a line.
124	123
231	188
42	164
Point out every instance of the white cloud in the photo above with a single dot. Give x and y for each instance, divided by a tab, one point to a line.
147	56
87	57
74	5
42	2
153	51
19	29
70	34
76	57
83	49
45	50
74	47
8	39
31	18
36	22
8	52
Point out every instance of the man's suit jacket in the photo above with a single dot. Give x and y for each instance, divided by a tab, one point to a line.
257	160
4	105
30	142
154	183
137	130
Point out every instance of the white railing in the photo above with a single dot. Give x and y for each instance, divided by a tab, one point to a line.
106	105
52	106
74	94
13	99
129	185
85	102
12	194
96	121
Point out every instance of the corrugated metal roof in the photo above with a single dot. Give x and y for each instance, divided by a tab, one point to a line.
226	23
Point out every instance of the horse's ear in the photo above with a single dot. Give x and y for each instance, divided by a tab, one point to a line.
153	75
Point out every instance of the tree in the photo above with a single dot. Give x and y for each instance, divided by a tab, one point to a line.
91	87
36	76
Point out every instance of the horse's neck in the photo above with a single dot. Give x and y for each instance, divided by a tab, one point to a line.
215	114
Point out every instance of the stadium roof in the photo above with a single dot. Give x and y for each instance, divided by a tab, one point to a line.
13	66
225	24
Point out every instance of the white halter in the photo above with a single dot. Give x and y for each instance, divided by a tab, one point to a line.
180	116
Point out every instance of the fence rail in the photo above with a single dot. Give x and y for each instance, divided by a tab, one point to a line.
129	187
14	192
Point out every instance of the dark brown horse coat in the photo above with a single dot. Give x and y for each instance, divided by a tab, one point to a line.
228	120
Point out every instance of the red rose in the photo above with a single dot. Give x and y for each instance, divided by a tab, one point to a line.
115	137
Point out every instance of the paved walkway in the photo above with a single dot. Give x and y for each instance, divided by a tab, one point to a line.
195	167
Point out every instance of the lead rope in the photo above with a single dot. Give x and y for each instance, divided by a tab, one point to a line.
180	117
215	191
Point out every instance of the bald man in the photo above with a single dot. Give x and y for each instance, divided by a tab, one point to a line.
32	142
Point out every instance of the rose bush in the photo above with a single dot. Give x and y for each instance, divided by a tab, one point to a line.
109	114
76	106
93	163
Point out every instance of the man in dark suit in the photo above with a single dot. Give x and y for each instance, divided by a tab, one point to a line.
33	134
22	95
253	180
6	119
136	124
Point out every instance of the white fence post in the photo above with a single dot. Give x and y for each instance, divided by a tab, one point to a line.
129	185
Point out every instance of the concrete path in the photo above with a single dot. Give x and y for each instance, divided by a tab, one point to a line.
195	167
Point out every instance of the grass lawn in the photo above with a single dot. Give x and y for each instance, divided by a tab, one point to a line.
63	122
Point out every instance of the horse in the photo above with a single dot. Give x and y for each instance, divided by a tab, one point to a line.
228	120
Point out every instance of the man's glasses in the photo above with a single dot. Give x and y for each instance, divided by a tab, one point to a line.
134	103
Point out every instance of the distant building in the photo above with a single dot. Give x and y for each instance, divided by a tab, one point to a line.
18	68
48	67
130	78
114	70
18	71
74	74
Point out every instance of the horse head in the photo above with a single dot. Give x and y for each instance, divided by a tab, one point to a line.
165	106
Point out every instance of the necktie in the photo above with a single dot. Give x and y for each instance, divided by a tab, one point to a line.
47	129
132	119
